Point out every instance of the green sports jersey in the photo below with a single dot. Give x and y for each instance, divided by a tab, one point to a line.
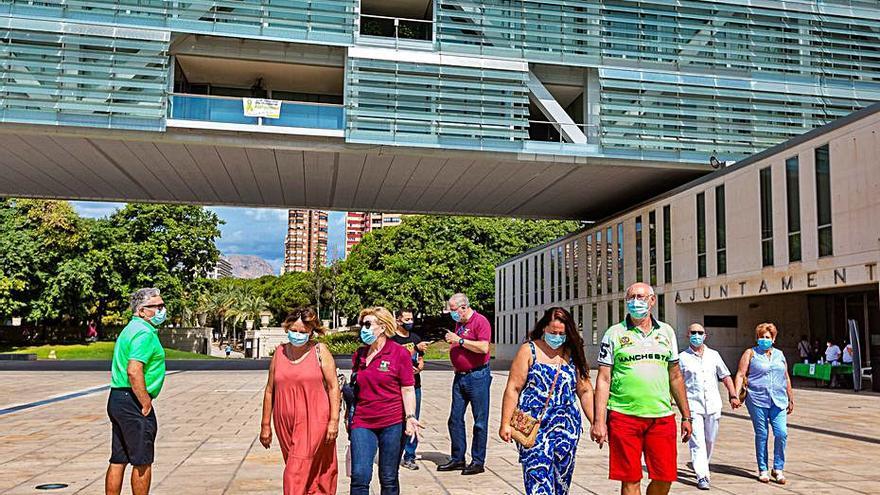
139	341
639	368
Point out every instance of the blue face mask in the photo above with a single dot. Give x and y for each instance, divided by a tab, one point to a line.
555	341
765	344
408	326
455	316
697	340
297	339
367	336
637	308
159	317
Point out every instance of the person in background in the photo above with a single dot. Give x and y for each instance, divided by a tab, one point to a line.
411	342
639	376
832	353
228	350
804	350
549	378
92	332
138	373
769	399
817	352
703	368
386	403
302	400
847	356
469	353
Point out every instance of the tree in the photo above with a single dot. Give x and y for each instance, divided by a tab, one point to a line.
421	262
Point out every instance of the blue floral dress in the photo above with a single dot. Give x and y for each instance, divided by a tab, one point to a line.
549	464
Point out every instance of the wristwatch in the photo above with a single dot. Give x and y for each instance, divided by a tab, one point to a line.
409	417
689	420
461	342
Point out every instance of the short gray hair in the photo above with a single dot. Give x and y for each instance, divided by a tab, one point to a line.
460	299
141	296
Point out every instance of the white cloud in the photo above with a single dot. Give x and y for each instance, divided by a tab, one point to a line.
95	209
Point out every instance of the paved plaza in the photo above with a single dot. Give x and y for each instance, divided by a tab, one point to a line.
209	423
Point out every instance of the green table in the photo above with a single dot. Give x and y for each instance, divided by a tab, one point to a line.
821	371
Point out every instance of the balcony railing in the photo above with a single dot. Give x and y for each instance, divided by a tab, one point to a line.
226	110
398	29
540	130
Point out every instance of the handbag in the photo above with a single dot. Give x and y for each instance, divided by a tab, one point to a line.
744	392
524	426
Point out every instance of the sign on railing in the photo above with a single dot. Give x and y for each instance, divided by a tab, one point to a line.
261	107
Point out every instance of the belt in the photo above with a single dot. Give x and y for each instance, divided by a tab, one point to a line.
472	370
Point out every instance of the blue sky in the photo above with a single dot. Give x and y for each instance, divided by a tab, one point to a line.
255	231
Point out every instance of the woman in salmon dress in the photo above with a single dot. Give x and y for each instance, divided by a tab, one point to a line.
302	400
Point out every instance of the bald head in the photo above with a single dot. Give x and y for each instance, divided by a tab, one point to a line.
639	289
696	327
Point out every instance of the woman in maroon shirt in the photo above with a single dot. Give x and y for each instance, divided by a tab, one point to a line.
385	403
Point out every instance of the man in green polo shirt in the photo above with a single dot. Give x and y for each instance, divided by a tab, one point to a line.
138	372
638	377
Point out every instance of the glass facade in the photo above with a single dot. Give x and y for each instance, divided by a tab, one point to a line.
652	247
720	231
667	244
793	208
640	271
823	200
701	235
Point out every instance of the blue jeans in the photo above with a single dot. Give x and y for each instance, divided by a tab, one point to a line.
472	389
364	443
763	418
409	445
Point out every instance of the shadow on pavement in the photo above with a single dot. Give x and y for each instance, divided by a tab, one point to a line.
732	471
437	458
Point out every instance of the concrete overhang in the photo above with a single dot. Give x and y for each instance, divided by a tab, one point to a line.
211	167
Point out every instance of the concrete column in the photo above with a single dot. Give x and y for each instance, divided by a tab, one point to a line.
592	106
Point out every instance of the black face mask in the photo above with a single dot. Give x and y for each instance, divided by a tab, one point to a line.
407	326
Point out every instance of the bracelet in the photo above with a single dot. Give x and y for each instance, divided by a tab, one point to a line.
689	420
409	417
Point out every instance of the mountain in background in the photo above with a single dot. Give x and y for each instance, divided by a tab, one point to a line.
249	266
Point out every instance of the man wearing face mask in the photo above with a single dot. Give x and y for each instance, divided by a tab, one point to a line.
138	372
703	368
638	376
469	353
410	341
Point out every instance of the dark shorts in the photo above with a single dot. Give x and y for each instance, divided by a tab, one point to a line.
134	434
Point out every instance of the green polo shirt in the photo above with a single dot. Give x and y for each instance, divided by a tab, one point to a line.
639	368
139	341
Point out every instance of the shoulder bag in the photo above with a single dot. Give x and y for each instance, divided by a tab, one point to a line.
745	390
525	427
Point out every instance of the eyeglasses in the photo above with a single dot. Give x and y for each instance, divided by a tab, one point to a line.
697	332
154	306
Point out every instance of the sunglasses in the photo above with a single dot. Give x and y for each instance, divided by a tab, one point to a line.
697	332
154	306
367	324
303	314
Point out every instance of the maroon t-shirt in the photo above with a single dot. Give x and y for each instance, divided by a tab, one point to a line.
379	401
477	328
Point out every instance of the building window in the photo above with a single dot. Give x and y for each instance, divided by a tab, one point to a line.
609	262
513	287
652	247
609	314
640	274
541	288
575	251
766	217
620	310
661	307
667	244
823	200
568	264
560	267
599	263
589	265
720	231
701	235
552	275
523	274
594	324
535	279
793	203
620	257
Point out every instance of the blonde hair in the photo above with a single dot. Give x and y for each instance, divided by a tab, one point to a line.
389	324
765	327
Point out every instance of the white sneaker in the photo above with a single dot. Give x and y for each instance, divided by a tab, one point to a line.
764	476
779	476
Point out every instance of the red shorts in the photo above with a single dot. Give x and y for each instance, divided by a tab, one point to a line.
630	436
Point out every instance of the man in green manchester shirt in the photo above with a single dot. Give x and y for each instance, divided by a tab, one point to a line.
138	373
638	377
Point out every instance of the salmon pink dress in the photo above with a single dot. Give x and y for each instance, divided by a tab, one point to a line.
300	412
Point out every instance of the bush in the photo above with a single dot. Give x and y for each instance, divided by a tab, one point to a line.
341	343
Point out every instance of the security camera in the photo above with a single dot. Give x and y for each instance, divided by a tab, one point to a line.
715	163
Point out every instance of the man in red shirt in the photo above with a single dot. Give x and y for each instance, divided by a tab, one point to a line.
469	353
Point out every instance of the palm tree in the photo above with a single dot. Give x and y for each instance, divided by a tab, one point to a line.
220	303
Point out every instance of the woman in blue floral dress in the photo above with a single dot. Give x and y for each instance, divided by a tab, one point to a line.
548	378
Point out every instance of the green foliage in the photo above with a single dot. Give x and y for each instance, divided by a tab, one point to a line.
95	351
56	267
426	259
341	343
